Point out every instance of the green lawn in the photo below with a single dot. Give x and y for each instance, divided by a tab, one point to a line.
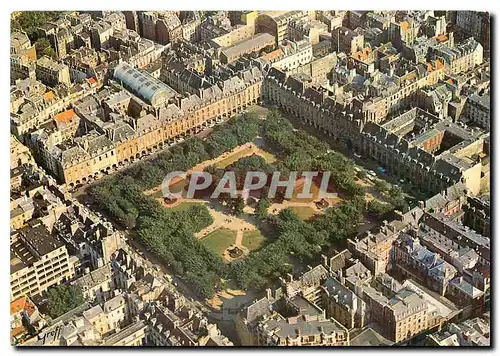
183	206
174	188
253	239
303	212
233	158
219	240
269	157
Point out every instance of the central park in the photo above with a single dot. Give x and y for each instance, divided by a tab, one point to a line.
236	243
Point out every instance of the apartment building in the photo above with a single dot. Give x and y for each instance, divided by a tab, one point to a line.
100	33
478	214
34	194
412	260
39	260
226	36
374	249
147	21
20	44
347	40
191	29
97	325
168	328
131	336
168	28
97	284
343	305
116	310
459	235
132	20
20	310
288	322
318	69
402	314
116	19
312	30
52	73
477	110
333	19
63	41
467	297
290	55
110	144
440	154
254	44
472	332
403	32
129	47
476	24
92	241
276	23
459	58
19	153
462	258
21	67
78	330
21	210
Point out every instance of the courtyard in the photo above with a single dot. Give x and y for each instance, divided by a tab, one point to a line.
234	237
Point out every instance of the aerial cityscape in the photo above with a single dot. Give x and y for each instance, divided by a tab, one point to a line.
250	178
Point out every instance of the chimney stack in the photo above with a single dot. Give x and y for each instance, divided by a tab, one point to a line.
325	260
268	293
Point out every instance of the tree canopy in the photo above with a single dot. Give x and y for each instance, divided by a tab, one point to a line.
63	298
30	21
261	210
170	234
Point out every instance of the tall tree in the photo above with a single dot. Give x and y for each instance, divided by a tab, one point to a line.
63	298
261	211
